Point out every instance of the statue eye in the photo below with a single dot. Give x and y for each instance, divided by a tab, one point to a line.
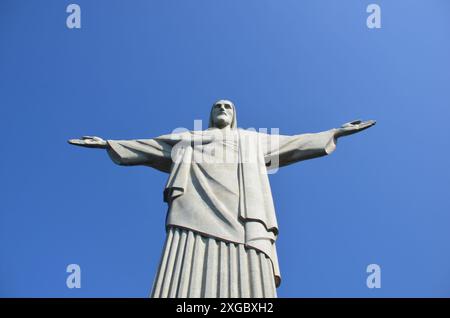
227	106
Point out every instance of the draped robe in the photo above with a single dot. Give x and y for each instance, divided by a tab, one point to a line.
218	188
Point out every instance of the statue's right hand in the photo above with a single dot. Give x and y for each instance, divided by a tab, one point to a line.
89	141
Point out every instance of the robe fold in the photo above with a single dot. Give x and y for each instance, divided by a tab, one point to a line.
218	185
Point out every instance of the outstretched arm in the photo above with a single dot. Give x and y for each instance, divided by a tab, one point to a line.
154	152
284	150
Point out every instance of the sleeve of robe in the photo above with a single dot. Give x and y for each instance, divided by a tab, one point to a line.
282	150
155	153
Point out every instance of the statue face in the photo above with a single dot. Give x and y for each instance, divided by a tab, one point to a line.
222	113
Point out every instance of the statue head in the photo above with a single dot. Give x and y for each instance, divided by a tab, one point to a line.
223	114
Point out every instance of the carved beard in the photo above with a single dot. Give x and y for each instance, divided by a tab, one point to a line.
222	121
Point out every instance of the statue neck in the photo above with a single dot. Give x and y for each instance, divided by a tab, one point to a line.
225	128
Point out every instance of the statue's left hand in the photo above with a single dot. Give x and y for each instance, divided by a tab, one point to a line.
353	127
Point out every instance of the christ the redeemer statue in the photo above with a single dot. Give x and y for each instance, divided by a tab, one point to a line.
221	223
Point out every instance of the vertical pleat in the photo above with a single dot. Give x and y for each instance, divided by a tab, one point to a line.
234	274
224	270
186	266
255	274
196	266
266	276
212	267
197	271
170	264
244	279
177	265
162	266
272	288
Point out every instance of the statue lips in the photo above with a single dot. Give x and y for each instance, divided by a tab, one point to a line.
222	113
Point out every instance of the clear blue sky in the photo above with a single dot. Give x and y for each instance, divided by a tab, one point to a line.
138	69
